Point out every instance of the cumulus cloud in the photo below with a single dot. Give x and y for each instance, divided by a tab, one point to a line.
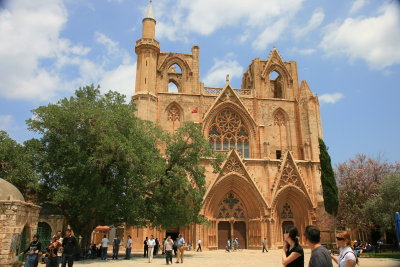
33	33
374	39
216	76
304	51
330	98
316	19
204	17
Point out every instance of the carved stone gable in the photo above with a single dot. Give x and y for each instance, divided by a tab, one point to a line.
234	165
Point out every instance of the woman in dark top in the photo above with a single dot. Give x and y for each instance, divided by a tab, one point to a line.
34	248
292	254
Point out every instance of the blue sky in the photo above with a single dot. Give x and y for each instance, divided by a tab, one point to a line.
348	51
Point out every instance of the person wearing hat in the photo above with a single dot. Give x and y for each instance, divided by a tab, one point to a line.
34	248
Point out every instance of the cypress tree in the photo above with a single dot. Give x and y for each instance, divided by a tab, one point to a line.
329	187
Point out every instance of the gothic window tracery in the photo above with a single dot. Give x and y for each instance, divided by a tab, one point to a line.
173	113
228	131
230	207
286	212
279	119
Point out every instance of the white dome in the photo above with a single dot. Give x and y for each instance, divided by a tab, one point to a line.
9	192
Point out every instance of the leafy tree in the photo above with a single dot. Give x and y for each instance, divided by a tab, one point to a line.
16	165
359	179
103	166
329	187
381	209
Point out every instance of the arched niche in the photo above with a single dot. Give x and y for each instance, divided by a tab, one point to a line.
280	134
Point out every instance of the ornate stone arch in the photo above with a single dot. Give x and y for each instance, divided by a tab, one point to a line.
175	81
291	205
242	126
173	59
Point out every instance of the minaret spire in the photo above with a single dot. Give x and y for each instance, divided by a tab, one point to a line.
149	12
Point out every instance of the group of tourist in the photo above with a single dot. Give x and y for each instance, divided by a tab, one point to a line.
60	251
293	254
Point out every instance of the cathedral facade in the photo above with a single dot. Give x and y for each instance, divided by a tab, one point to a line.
268	128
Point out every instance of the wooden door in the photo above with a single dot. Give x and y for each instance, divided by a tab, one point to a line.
224	233
239	231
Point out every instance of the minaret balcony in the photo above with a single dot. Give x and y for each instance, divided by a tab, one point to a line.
147	42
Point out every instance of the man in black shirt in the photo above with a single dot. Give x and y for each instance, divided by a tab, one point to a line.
146	248
34	248
69	247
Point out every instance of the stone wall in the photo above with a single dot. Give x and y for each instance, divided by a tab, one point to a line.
14	216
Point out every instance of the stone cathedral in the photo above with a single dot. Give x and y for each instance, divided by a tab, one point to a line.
268	128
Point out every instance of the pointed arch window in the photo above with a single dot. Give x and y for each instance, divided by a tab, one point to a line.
227	131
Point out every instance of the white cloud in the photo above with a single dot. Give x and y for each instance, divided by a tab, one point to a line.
121	79
6	122
207	16
32	30
216	76
316	19
357	5
330	98
305	51
373	39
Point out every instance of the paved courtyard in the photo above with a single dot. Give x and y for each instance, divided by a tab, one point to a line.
245	258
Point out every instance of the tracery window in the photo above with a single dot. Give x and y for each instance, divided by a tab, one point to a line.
228	131
230	207
286	212
174	113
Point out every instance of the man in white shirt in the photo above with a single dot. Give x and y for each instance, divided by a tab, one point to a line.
168	247
151	243
104	246
128	248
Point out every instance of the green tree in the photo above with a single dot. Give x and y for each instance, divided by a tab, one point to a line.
329	187
16	165
381	209
103	166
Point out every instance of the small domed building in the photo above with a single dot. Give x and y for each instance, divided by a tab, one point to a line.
18	222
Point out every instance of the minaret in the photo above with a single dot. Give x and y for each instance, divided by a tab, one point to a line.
147	50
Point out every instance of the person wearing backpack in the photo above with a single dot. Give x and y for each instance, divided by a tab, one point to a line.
346	258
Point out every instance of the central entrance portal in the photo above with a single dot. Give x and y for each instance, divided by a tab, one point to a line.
225	233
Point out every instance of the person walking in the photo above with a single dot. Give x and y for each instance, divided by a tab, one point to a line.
104	247
116	244
34	248
156	247
320	256
69	246
181	244
168	247
176	247
199	246
128	246
347	257
228	247
293	253
151	244
264	245
145	248
52	251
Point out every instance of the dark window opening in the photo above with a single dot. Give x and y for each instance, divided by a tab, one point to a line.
278	154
